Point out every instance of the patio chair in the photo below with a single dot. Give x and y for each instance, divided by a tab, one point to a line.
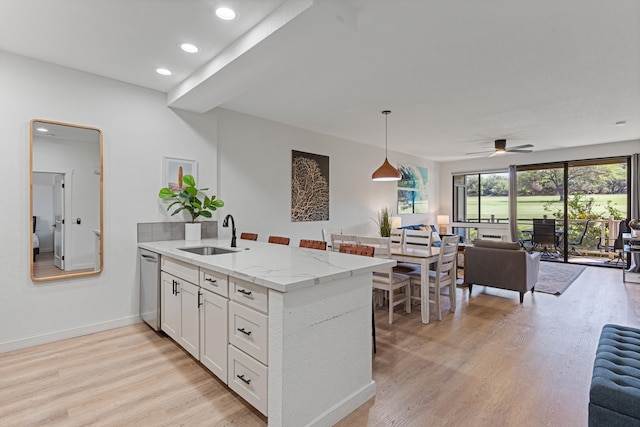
618	244
544	235
577	241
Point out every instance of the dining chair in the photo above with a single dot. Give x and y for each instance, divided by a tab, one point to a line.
342	239
444	276
326	234
417	239
313	244
397	237
249	236
420	239
355	249
387	280
279	240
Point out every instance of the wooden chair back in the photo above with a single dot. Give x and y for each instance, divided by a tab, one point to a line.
382	245
313	244
397	237
340	239
447	259
279	240
420	239
249	236
355	249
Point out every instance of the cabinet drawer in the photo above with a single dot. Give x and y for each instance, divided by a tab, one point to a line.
248	330
248	378
180	269
214	282
254	296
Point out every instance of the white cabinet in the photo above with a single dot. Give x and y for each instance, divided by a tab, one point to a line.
190	318
213	333
230	338
193	315
248	341
170	306
180	318
248	331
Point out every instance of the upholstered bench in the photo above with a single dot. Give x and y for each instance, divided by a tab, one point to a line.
614	398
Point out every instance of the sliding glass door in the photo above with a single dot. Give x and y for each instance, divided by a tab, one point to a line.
583	200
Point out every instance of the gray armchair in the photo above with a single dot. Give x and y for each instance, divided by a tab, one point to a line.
501	265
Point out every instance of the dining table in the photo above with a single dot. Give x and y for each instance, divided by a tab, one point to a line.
425	257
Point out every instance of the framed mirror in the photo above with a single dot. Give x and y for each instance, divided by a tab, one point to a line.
66	200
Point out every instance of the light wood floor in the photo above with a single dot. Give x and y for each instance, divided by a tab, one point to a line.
44	267
493	362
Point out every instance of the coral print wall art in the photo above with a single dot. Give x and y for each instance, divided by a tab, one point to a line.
309	187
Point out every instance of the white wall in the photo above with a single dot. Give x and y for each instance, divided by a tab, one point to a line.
502	162
255	179
138	130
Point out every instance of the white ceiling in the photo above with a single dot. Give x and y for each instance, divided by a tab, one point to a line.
456	74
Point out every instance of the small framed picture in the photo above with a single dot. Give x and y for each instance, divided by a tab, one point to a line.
174	169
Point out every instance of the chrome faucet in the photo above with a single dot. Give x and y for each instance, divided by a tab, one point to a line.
225	224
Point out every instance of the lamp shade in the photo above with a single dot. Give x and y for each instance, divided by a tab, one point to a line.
443	219
396	222
386	172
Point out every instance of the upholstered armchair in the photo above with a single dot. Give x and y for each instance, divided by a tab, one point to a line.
501	265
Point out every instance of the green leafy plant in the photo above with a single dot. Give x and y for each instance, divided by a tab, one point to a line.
384	222
187	200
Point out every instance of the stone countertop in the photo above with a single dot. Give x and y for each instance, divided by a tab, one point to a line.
278	267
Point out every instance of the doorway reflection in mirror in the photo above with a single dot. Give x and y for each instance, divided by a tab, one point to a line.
66	199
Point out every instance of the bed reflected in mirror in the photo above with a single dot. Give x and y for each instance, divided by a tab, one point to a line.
66	200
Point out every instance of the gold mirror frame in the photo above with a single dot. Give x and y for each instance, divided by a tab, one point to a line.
80	273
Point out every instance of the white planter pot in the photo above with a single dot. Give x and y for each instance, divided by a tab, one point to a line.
192	231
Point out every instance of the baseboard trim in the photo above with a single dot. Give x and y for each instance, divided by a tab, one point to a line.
68	333
345	407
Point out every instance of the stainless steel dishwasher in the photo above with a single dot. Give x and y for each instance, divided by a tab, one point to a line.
150	288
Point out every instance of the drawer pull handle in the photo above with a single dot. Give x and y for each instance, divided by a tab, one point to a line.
209	279
243	379
244	331
244	292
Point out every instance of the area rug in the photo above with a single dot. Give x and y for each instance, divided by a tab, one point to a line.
554	277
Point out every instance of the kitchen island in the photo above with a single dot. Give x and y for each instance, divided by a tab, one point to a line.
317	306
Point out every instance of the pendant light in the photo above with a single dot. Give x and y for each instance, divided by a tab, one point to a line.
386	172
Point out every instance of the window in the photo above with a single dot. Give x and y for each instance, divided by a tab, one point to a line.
481	197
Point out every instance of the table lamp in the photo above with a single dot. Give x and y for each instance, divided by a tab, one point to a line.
442	221
396	222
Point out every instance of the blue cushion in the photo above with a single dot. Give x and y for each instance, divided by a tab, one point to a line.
413	227
615	384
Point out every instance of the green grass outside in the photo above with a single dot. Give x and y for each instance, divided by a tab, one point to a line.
533	206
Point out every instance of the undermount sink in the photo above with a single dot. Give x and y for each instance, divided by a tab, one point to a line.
207	250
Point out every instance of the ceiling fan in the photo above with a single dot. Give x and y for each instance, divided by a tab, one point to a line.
501	148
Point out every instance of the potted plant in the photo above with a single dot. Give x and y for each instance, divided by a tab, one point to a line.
188	200
384	222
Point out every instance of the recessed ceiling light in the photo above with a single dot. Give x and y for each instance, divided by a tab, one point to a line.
621	123
42	129
190	48
163	71
225	13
